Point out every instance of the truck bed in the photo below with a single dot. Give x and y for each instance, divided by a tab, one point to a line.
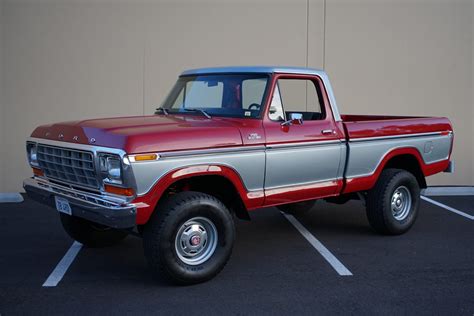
366	126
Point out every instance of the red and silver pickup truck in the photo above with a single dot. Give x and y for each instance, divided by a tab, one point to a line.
227	141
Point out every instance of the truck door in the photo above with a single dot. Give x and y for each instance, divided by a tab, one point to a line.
303	155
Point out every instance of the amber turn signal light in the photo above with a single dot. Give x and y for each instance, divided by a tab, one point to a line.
118	190
146	157
38	172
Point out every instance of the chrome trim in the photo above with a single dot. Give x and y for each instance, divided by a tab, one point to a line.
304	144
112	212
212	151
96	200
232	150
73	165
302	184
128	177
92	148
375	138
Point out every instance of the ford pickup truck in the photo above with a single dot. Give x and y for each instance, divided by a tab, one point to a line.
227	141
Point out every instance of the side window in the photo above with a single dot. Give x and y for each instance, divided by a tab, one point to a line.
300	96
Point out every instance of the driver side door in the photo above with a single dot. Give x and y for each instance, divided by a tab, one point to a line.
303	159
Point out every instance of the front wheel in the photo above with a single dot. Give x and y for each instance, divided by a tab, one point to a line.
189	238
392	205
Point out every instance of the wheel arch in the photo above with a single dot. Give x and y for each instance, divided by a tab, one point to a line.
213	179
406	158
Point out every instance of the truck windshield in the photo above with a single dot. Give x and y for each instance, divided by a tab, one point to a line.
229	95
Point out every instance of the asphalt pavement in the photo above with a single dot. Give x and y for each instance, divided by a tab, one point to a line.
275	267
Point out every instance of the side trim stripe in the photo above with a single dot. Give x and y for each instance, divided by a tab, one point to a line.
238	149
305	144
368	139
213	151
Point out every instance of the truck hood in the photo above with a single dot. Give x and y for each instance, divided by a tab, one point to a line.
141	134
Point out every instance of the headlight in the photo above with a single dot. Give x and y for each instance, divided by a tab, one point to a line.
111	168
32	152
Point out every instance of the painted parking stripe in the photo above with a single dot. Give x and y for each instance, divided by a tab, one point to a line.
58	273
330	258
449	208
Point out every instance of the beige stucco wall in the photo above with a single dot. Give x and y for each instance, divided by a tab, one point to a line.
73	59
2	112
407	58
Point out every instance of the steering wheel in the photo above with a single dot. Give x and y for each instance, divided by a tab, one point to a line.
254	105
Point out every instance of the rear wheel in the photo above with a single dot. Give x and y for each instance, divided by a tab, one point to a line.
189	238
392	205
298	208
90	234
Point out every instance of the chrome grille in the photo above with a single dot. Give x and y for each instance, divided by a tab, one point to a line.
68	165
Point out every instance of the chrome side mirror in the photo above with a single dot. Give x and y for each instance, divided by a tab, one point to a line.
294	119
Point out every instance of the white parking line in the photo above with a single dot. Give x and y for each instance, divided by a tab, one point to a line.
58	273
449	208
333	261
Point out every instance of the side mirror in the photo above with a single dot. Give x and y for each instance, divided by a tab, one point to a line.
294	119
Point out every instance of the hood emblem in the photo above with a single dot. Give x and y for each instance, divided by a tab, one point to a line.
76	138
92	140
47	134
61	136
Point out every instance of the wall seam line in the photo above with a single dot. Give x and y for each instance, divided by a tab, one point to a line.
307	48
324	35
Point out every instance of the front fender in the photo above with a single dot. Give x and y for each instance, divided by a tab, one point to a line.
149	201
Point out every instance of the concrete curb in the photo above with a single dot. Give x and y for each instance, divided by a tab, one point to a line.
11	198
447	191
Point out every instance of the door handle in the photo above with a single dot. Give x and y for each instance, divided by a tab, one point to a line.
328	132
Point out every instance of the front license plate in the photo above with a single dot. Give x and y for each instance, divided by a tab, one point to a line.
62	205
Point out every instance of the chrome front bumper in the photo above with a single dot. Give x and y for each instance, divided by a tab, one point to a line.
96	208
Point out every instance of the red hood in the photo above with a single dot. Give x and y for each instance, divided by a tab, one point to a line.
147	133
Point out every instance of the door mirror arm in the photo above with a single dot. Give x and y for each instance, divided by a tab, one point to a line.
293	119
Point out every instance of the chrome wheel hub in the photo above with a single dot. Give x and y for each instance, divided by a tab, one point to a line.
196	241
401	203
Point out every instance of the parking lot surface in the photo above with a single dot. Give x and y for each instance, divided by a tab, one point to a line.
273	269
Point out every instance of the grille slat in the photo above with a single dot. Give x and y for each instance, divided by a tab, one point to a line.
69	165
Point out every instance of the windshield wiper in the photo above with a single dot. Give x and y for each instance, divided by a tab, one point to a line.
201	111
161	109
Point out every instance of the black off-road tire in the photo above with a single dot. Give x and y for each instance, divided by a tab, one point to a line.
160	237
379	202
90	234
298	208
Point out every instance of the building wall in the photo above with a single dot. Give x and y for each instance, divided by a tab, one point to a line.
2	111
74	59
472	84
406	58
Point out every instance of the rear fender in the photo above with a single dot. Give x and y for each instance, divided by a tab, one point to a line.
367	182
